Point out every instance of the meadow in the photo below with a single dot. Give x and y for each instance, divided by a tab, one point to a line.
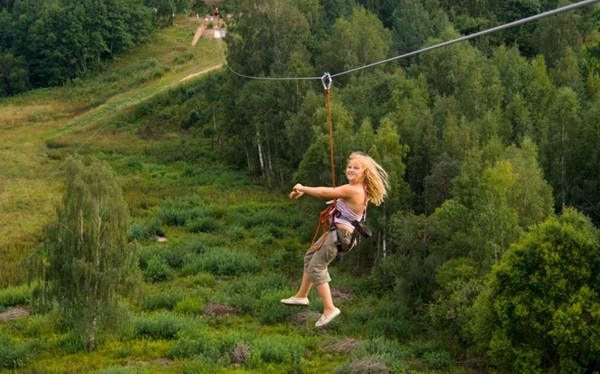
209	302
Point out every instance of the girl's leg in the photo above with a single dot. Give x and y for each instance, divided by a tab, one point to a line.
325	295
304	286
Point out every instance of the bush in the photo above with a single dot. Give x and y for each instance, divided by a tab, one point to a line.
195	343
13	355
142	230
271	311
433	354
244	293
159	326
236	233
223	262
377	317
383	351
202	224
189	305
162	299
273	349
15	295
158	270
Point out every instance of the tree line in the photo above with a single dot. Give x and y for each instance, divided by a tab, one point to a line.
48	43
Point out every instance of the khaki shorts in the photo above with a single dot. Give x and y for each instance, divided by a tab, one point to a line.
316	262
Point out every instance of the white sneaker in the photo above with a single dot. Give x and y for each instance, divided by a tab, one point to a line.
325	320
302	301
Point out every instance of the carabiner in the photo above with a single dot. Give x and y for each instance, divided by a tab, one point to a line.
326	80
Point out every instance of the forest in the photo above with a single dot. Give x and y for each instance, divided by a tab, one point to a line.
485	255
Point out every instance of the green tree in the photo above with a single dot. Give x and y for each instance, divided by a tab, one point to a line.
411	26
461	71
91	263
356	41
541	312
555	34
14	75
585	163
539	93
504	191
438	184
264	36
567	72
558	146
523	35
517	120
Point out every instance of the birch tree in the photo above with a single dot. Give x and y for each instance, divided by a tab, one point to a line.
91	263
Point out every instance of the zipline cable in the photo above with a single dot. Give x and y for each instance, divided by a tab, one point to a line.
480	33
435	46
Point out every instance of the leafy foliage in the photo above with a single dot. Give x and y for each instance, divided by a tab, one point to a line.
542	304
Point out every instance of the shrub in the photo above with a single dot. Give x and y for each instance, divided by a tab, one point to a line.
13	355
243	294
381	350
195	343
377	317
202	224
194	246
162	299
159	326
271	311
138	231
224	262
158	270
437	359
433	354
189	305
236	233
240	352
15	295
273	349
142	230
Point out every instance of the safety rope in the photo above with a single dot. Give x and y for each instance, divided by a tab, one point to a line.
326	80
327	215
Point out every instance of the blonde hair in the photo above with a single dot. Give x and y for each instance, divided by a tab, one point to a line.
375	177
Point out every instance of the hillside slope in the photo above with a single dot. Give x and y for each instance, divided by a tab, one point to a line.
39	128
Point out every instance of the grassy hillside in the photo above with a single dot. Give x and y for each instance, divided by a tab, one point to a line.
210	298
40	128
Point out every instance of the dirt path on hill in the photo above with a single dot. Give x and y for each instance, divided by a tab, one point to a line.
193	75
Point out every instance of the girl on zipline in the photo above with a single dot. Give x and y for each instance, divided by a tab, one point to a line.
367	182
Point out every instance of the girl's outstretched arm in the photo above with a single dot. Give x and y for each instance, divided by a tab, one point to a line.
345	191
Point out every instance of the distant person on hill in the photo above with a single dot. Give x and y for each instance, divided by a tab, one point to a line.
367	182
216	13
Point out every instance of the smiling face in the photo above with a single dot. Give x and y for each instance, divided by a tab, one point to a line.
354	171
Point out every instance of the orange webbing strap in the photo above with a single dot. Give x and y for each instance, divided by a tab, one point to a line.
325	217
326	79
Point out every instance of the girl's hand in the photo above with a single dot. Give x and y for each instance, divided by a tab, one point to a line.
296	191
